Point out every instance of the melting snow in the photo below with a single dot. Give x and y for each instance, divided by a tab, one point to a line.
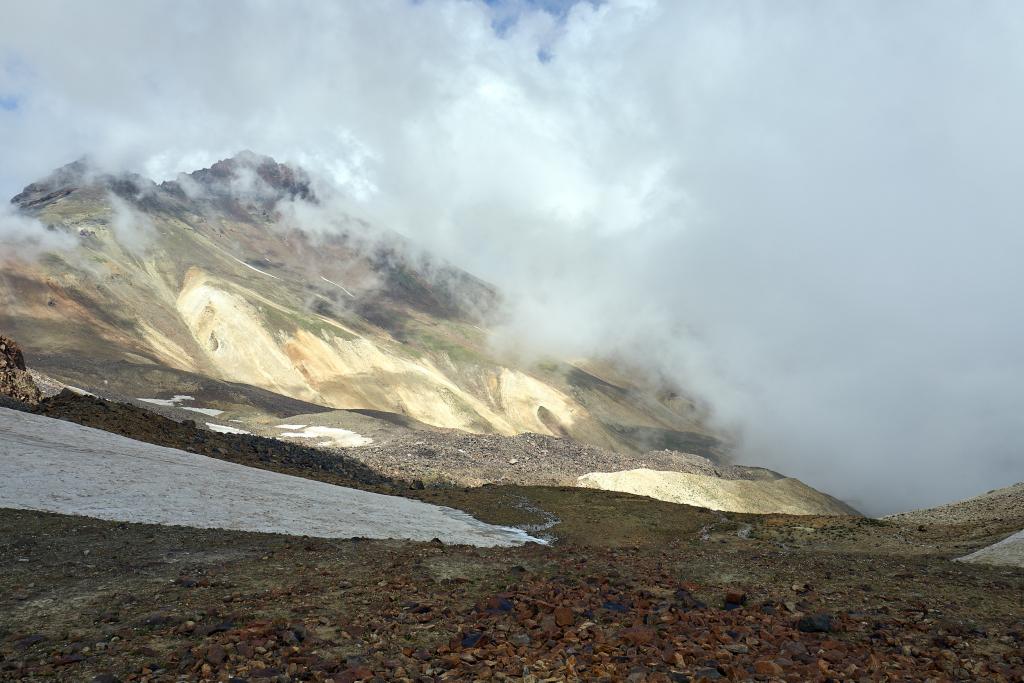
338	286
337	437
263	272
175	402
224	429
291	426
59	466
212	412
169	402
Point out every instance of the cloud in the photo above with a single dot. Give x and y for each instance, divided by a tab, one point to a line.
806	212
133	229
26	238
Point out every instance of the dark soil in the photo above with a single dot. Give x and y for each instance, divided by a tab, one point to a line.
80	598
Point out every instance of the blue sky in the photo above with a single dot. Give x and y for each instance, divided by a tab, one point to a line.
555	7
509	11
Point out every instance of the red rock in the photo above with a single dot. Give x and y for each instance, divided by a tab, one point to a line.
563	616
735	598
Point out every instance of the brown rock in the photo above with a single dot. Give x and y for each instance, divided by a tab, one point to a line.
767	667
735	598
215	654
563	616
638	635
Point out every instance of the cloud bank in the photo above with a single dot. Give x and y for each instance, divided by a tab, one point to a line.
808	213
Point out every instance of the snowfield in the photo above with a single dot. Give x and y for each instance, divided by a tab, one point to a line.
58	466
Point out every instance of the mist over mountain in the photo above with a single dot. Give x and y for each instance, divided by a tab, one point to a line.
807	217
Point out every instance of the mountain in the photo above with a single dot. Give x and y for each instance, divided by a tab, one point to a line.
225	282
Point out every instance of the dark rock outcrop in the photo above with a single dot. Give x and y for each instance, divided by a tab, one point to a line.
15	382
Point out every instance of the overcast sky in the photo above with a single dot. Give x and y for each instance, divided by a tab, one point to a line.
809	213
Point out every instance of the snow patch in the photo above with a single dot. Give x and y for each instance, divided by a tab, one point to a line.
168	402
224	429
338	286
262	272
336	437
291	427
212	412
62	467
177	400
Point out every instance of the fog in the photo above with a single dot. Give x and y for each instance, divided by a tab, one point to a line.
808	214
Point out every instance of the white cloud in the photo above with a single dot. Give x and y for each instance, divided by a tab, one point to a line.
807	211
26	238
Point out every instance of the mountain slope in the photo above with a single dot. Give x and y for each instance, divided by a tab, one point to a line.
991	525
753	491
227	273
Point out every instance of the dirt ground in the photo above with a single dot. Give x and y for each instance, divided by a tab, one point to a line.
629	589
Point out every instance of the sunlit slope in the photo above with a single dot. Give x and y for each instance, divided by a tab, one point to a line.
216	277
761	495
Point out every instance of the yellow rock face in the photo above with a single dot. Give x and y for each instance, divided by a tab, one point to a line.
229	331
345	372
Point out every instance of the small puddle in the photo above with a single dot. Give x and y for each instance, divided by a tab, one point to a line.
550	519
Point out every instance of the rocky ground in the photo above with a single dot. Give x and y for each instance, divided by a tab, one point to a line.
632	589
468	459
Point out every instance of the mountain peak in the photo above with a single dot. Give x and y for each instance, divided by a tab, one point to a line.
77	174
251	175
247	177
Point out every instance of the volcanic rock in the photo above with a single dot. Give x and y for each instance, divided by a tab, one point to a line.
815	623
